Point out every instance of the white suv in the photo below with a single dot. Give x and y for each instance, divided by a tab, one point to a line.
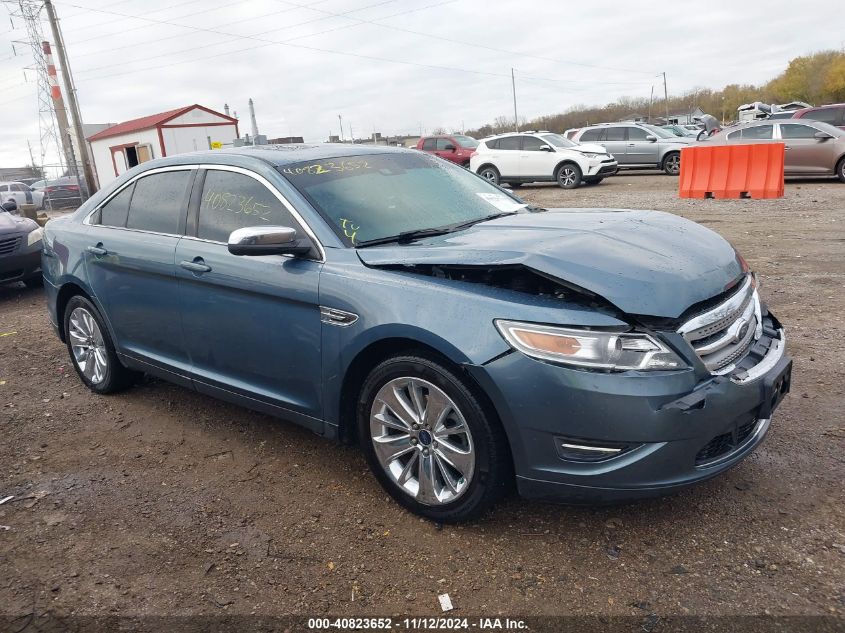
540	157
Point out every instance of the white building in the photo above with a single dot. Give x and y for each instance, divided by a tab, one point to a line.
122	146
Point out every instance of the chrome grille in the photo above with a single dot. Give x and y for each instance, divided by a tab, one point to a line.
724	334
9	245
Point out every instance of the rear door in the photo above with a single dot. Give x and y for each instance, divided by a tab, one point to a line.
130	265
615	141
509	155
251	324
805	154
639	150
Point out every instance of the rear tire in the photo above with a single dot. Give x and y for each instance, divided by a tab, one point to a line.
840	169
455	464
568	176
672	163
490	174
91	350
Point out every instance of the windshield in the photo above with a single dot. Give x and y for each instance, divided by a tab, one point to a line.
377	196
558	141
660	132
465	141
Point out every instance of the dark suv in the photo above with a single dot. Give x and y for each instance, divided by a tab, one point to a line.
456	148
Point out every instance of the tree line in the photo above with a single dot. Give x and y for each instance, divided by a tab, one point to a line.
815	79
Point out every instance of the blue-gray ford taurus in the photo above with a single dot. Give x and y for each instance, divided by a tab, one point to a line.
466	339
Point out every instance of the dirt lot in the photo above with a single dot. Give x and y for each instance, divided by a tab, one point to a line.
162	501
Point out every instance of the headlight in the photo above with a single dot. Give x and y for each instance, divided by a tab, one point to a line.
590	349
34	236
591	154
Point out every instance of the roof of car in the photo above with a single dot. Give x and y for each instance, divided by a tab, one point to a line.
287	154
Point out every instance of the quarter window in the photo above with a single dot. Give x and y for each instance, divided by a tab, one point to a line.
116	210
794	130
232	201
159	202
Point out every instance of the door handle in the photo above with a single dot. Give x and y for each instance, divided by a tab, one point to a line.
632	145
98	250
787	147
196	266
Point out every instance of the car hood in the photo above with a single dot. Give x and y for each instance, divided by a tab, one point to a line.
14	224
644	262
589	147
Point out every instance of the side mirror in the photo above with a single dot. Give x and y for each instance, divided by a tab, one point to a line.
267	240
651	138
822	136
9	205
451	148
545	148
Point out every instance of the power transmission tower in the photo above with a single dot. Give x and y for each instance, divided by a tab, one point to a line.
51	141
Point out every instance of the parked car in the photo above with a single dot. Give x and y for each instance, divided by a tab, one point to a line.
464	337
540	157
637	145
456	148
813	148
20	247
682	131
21	194
834	114
64	192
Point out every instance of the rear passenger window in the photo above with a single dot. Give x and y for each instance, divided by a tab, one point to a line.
232	201
615	134
591	135
509	142
429	144
159	202
758	132
116	210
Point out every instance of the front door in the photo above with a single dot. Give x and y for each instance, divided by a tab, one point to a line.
534	161
805	154
129	261
639	150
251	324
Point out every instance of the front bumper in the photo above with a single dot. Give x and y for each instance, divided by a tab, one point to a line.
20	265
602	168
661	431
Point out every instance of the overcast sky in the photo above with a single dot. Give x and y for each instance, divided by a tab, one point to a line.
396	66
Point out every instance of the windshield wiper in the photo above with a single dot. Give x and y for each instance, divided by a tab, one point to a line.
410	236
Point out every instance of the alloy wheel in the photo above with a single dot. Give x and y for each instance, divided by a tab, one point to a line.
567	176
422	440
87	345
673	164
490	175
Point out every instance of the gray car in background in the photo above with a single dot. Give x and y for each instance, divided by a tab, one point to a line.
812	148
637	145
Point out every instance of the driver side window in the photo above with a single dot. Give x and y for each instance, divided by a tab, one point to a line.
231	201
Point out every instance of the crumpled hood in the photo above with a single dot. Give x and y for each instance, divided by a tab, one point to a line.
589	147
643	262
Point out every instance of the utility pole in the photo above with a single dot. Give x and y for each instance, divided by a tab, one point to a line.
59	108
650	100
666	96
76	117
515	117
340	120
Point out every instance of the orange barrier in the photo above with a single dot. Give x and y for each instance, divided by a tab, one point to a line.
732	171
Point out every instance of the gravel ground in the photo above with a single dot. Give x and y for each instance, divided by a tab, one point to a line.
162	501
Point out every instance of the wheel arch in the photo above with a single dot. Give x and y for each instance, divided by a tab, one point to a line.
566	161
71	289
485	165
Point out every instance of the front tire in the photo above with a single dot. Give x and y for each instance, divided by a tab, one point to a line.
840	169
429	441
91	349
490	174
568	176
672	163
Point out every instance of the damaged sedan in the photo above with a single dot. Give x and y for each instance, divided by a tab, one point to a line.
467	341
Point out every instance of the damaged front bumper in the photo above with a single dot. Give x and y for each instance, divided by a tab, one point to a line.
588	437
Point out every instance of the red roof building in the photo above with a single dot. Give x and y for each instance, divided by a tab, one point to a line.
187	129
